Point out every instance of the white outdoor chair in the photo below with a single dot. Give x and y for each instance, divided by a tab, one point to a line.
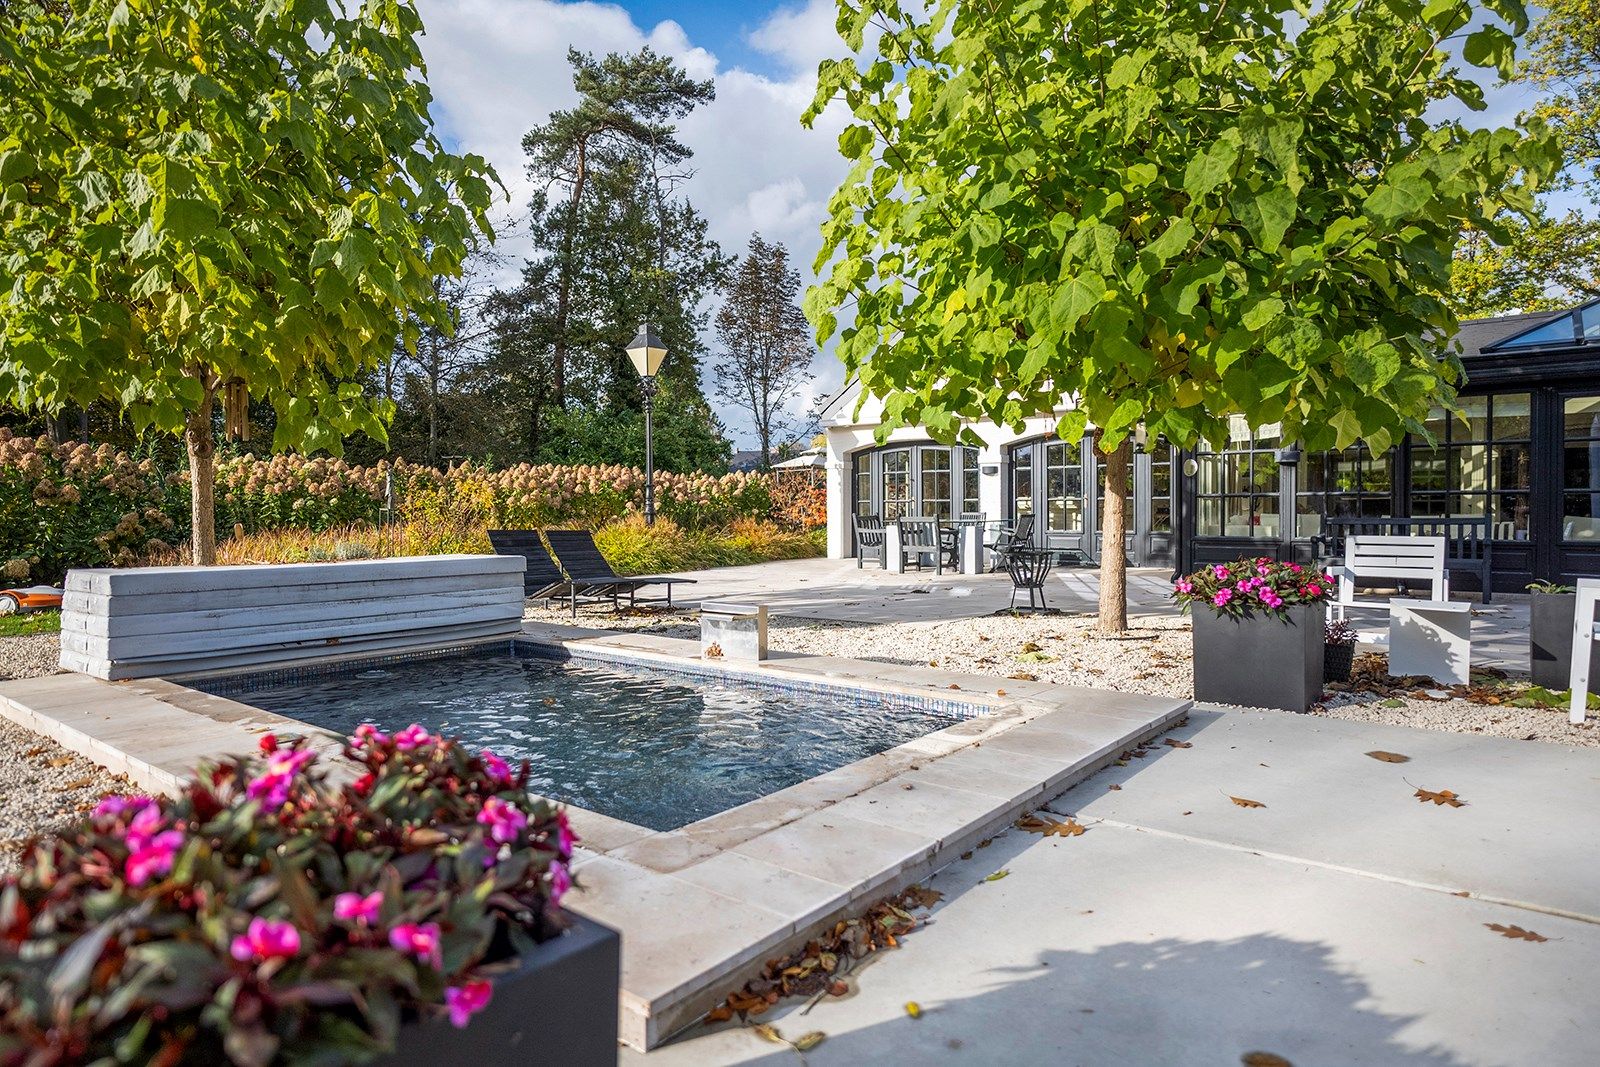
1585	631
1412	560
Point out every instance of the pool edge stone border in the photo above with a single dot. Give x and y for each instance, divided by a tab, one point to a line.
702	907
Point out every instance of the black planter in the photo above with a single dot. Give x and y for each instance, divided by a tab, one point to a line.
560	1006
1259	661
1336	662
1550	642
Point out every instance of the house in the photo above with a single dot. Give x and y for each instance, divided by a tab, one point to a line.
1527	458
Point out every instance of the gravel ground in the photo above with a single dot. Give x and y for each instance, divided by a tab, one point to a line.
1154	658
43	787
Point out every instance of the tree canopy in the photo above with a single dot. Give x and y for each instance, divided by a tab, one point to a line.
200	192
1175	213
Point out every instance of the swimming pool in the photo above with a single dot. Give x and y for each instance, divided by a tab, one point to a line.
654	747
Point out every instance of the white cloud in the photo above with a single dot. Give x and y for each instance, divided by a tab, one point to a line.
498	67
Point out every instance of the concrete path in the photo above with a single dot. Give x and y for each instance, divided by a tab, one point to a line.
1183	929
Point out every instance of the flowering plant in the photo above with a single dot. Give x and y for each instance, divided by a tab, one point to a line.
1339	632
267	914
1247	586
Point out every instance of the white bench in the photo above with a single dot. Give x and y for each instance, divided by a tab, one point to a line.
735	631
1412	560
1585	631
1432	638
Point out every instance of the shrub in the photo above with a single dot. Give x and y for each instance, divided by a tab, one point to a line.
267	914
799	503
1247	586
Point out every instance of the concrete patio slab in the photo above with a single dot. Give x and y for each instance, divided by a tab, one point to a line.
1526	833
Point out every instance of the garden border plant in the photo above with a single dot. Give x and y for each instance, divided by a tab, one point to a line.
266	913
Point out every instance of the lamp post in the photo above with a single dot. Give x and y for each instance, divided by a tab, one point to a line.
647	352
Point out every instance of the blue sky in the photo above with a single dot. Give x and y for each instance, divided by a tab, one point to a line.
497	67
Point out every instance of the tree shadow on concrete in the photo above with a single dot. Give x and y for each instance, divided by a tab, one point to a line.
1164	1002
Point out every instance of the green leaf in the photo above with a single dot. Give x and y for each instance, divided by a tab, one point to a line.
985	231
1262	313
1266	215
1208	170
1403	199
1490	46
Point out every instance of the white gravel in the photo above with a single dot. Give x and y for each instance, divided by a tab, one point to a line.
43	787
1155	657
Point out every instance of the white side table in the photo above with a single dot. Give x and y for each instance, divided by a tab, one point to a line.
1431	638
971	548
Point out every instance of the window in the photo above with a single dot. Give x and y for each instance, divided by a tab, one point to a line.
1580	469
935	482
862	464
896	484
1063	488
1022	481
1160	486
1351	483
1482	467
969	479
1237	487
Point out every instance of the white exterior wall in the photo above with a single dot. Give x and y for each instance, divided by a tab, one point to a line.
848	433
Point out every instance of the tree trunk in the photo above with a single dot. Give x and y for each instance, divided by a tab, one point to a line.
1113	526
202	446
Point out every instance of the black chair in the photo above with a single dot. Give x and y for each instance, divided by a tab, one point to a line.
919	540
1029	568
869	538
1011	539
950	536
543	579
577	554
1469	544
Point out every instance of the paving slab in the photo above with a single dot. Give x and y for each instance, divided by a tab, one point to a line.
1527	833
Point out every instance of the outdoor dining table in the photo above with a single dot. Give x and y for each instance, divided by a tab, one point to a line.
967	541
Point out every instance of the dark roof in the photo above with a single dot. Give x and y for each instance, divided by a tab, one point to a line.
748	459
1478	334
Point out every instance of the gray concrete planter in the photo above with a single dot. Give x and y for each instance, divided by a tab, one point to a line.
1259	661
1550	641
559	1006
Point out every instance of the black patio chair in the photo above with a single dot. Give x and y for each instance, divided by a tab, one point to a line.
577	553
869	539
919	540
1029	568
543	579
1010	539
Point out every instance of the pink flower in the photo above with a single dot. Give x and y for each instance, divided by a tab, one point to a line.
1220	572
367	734
1296	568
114	806
153	858
353	907
413	736
565	838
1313	589
417	939
1222	597
465	1001
1185	586
504	821
272	787
560	881
268	743
266	939
496	768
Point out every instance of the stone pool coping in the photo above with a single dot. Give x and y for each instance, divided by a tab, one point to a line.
702	907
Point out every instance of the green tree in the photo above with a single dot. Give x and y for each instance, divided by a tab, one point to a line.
1173	213
199	192
1565	63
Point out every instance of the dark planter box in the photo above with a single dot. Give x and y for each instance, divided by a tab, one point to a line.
1337	661
559	1006
1550	642
1259	661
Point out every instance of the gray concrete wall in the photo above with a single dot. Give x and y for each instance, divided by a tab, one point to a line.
176	620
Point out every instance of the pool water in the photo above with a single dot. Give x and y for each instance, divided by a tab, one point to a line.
654	748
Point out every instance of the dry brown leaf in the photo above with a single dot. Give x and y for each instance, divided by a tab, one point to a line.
1442	797
953	686
1035	824
1243	803
1023	676
1516	933
768	1032
1113	787
79	784
37	751
999	692
60	761
719	1014
1389	757
922	896
1175	743
1264	1059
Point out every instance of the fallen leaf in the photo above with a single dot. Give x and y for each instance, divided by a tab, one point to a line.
923	896
1516	933
951	686
1264	1059
79	784
1023	676
1175	743
1113	787
838	987
60	761
720	1014
32	752
967	855
768	1032
1242	802
1392	702
807	1042
1442	797
1001	873
1389	757
986	842
1035	824
999	692
913	1009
